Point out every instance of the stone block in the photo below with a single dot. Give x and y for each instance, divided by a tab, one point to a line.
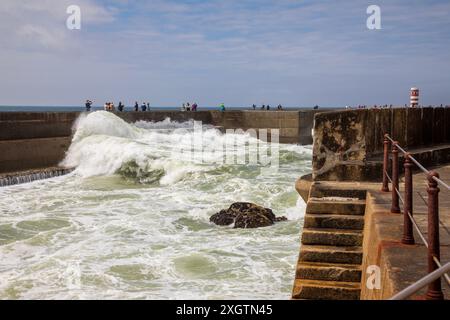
414	134
399	125
427	126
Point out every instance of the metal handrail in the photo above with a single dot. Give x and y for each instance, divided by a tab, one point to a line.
432	244
446	276
417	163
421	235
412	289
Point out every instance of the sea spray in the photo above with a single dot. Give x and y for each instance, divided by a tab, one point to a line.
105	144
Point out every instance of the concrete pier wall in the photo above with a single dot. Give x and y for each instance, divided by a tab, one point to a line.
30	140
293	126
348	144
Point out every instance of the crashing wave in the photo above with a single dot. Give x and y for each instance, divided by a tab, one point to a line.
158	152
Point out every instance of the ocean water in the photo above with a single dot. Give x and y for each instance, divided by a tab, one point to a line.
132	221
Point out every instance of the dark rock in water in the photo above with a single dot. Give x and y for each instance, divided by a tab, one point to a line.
246	215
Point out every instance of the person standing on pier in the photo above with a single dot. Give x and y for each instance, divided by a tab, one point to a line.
136	106
88	105
222	107
120	107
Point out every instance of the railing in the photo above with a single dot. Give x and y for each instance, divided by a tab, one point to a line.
434	291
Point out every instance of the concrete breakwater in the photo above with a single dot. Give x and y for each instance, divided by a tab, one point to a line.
33	140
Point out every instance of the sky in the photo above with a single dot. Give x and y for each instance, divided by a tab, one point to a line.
238	52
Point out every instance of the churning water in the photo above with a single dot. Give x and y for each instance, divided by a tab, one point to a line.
132	221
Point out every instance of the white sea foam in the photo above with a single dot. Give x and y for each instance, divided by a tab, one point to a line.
165	124
134	218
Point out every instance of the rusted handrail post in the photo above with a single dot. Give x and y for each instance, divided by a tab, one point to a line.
434	289
395	208
408	236
385	187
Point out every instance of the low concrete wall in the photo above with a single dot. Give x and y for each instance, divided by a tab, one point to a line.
348	144
18	155
30	140
293	126
33	125
131	117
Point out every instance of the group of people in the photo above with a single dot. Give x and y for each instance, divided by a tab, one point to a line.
144	106
386	107
109	106
189	107
264	107
374	107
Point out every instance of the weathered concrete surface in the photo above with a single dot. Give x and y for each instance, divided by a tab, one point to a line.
303	185
353	190
326	290
33	125
348	144
293	126
329	263
339	144
401	265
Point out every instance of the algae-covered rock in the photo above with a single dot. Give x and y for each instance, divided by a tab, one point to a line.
245	215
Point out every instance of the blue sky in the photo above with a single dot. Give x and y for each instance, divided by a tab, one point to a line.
297	53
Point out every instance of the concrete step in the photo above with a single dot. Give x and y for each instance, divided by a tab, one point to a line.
325	205
335	221
328	272
330	254
323	189
326	290
332	237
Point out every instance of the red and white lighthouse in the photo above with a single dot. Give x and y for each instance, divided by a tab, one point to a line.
414	98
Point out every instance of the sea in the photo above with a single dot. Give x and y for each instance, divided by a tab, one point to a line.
132	220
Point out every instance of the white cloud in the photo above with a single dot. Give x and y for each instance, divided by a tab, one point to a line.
287	50
40	25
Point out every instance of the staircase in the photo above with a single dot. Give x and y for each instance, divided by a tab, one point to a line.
329	266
